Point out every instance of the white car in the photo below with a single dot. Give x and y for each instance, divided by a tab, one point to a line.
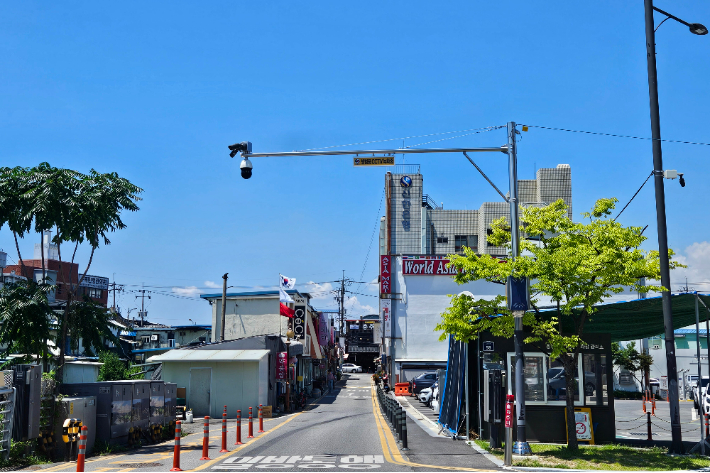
435	400
351	368
425	395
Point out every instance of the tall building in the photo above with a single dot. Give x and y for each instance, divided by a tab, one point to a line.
416	235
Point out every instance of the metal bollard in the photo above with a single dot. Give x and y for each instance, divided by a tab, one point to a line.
206	439
176	452
404	430
398	416
261	419
648	426
224	431
251	426
239	428
82	449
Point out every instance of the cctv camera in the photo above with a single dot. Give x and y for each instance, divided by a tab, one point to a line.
244	147
681	180
246	168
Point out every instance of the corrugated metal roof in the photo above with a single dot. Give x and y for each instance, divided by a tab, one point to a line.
252	294
210	355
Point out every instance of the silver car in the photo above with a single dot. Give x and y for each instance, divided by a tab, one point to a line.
351	368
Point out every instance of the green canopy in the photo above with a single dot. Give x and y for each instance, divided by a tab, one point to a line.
642	318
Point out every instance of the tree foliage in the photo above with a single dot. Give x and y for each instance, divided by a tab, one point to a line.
80	208
26	320
576	265
630	359
115	369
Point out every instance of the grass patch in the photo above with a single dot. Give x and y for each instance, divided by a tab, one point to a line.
18	457
604	457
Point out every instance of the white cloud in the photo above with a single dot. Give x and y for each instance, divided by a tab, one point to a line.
697	258
212	285
355	308
190	291
319	291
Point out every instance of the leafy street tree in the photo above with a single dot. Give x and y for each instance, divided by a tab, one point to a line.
632	360
81	208
576	265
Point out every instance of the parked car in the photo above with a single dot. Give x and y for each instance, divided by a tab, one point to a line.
422	381
425	394
694	391
556	381
435	399
351	368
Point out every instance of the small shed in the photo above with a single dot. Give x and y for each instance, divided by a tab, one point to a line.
81	372
213	379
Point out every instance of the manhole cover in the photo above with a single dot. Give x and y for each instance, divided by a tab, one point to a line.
139	465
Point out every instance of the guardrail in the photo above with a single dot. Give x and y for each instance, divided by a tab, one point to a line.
395	414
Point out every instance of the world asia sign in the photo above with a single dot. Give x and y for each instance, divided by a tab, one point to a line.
281	366
427	267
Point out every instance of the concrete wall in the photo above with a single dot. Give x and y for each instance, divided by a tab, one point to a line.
248	317
238	385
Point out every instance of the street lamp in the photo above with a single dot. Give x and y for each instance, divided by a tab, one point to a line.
672	372
521	445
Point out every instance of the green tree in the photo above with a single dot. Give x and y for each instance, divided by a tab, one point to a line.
81	208
115	369
632	360
577	265
26	320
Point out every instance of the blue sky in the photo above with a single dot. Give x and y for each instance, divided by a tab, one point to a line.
156	91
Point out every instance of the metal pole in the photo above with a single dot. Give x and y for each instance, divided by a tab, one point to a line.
224	306
465	350
700	372
521	445
672	372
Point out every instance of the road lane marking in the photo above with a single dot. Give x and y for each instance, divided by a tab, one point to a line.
227	455
392	443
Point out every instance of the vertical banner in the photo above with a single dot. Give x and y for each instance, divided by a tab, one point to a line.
385	274
323	330
386	316
281	366
299	322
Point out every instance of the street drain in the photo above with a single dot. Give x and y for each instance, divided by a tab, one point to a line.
139	465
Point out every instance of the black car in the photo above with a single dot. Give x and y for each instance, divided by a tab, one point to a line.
422	381
557	382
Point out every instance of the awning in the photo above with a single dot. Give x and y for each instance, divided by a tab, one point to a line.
642	318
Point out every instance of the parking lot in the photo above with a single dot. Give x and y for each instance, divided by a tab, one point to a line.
631	421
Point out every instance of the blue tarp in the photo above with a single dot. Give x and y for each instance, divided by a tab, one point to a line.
453	387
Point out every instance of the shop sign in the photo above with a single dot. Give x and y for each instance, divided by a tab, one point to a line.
385	274
427	267
97	282
322	329
299	322
406	183
383	161
359	349
386	316
509	411
281	366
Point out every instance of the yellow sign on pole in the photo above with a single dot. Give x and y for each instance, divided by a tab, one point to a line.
381	161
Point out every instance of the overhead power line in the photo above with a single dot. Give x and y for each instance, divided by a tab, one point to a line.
617	135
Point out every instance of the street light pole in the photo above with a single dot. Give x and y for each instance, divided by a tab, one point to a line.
672	371
521	446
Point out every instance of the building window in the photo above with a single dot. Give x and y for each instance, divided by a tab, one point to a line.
93	292
459	242
545	382
146	339
171	342
442	239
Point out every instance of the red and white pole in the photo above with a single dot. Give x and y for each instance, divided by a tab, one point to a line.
224	431
176	453
261	419
206	440
251	425
82	449
239	427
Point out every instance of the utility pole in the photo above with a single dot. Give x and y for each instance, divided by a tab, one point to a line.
672	369
342	305
142	296
114	287
224	306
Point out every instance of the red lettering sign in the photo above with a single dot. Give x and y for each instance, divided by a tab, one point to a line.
281	366
508	414
385	274
427	267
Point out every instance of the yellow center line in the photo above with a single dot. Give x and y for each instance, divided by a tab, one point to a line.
226	455
385	433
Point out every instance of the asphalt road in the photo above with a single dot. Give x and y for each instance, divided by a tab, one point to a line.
631	422
343	430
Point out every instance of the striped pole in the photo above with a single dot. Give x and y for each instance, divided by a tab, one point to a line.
261	419
239	428
176	453
251	426
82	449
224	431
206	439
